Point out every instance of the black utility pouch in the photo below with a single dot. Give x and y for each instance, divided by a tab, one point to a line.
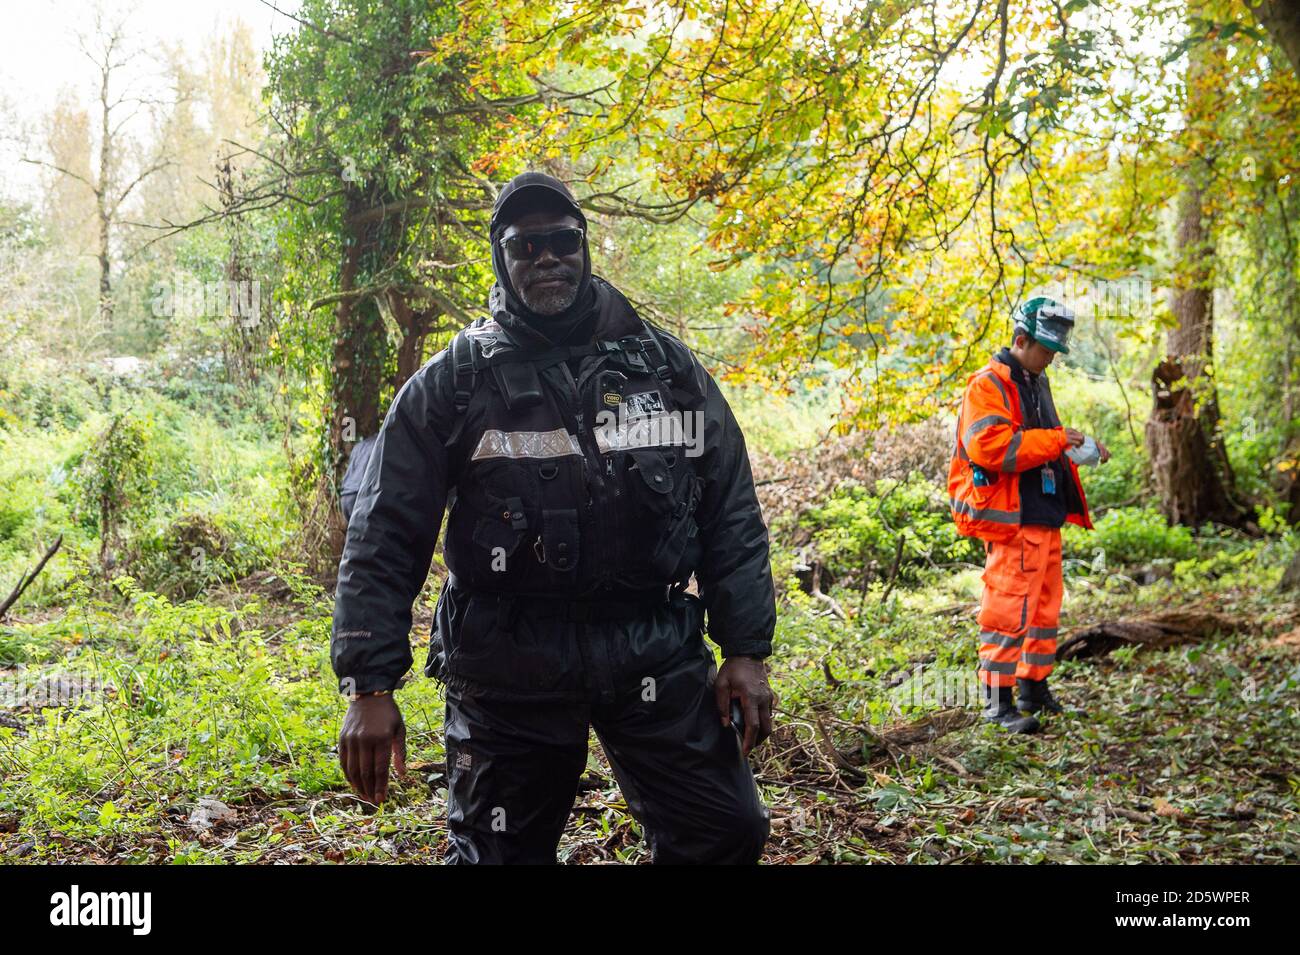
499	533
654	480
557	548
667	553
520	384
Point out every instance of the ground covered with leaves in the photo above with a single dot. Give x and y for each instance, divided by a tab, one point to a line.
138	729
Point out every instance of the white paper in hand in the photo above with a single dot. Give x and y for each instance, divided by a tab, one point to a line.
1086	453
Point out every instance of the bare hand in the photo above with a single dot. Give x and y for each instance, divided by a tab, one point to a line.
372	732
745	678
1075	438
1105	452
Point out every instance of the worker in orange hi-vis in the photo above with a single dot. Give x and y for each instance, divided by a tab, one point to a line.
1013	483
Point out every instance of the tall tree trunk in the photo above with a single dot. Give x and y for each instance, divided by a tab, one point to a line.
360	346
1281	18
1188	460
415	326
1291	576
105	274
359	352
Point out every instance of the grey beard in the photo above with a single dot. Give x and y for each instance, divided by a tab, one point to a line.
550	301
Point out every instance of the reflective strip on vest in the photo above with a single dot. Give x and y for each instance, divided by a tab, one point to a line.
961	449
1038	659
1006	398
1009	461
987	421
986	514
526	444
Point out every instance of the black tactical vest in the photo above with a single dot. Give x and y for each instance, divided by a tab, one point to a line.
573	486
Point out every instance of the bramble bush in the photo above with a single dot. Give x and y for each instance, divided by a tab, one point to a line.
858	529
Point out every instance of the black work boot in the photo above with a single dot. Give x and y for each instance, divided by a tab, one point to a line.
1034	696
999	709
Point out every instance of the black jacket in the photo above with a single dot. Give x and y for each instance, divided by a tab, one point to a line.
561	537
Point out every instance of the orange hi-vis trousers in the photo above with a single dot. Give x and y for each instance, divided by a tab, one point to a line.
1021	606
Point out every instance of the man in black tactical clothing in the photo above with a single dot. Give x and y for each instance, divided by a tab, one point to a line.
589	465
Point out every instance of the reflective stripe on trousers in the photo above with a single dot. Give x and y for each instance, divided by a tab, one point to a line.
1020	607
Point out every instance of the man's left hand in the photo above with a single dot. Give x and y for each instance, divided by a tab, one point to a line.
745	679
1105	452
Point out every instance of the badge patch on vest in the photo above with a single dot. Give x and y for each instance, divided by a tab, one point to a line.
612	398
643	405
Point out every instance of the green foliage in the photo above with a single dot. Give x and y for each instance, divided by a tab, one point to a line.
116	472
192	500
781	424
1121	481
189	555
1097	406
858	530
44	394
1129	535
184	703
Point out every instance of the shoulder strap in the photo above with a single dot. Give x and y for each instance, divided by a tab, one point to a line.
683	382
653	345
464	369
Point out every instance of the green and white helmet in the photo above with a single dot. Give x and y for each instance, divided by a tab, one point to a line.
1047	322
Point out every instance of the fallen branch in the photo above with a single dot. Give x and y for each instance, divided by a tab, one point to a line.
1131	814
929	728
893	573
26	580
955	610
893	738
1156	631
816	591
839	762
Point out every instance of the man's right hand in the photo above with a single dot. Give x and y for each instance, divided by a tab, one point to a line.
1076	438
372	732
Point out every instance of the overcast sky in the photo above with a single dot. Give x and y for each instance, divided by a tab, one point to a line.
39	55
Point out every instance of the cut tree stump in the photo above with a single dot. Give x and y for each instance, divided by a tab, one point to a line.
1157	631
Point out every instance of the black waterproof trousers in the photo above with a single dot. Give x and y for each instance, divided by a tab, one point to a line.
514	766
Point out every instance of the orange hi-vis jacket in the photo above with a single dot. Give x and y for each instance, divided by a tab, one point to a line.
992	439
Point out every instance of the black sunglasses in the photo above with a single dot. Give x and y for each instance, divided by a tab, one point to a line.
529	245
